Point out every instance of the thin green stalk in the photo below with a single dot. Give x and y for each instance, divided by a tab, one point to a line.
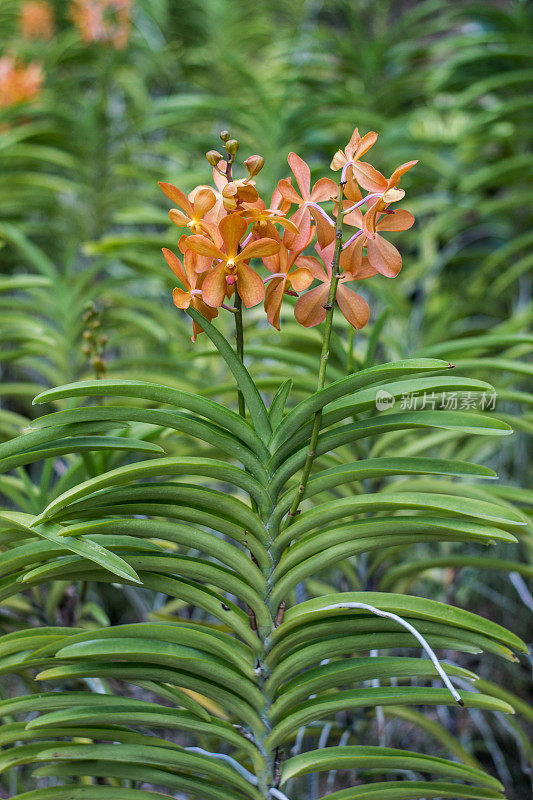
324	355
239	334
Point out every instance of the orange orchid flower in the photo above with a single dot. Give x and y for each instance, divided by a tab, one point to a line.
19	82
36	20
193	211
233	269
264	219
106	21
192	281
283	281
311	307
307	201
383	256
237	192
348	160
389	193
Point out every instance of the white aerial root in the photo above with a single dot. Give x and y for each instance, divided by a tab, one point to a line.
228	759
278	794
418	636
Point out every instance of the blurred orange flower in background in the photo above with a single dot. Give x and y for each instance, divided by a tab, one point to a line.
106	21
36	20
19	82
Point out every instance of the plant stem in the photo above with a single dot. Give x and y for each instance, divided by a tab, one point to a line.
239	334
324	355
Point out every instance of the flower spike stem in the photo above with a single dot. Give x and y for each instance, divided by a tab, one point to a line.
324	355
239	334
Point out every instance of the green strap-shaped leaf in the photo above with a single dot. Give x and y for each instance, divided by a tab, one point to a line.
187	535
285	463
90	793
85	548
379	468
79	444
348	671
254	401
167	653
450	505
197	636
413	790
277	407
404	605
169	565
374	375
206	467
178	398
383	760
175	420
138	671
365	399
234	515
419	528
177	782
325	706
415	568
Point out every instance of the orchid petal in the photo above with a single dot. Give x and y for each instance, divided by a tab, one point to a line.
324	189
325	232
309	309
338	161
204	200
368	177
181	299
232	229
177	196
175	265
273	300
354	308
288	192
400	220
302	173
399	171
214	286
302	219
364	144
300	279
178	218
204	246
257	249
384	256
314	266
249	285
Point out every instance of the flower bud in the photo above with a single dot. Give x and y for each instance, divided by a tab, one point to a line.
254	164
86	350
224	135
213	157
99	364
232	145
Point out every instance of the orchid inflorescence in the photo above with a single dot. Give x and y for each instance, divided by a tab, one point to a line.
228	224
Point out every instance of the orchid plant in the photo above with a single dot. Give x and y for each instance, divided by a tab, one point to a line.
256	672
